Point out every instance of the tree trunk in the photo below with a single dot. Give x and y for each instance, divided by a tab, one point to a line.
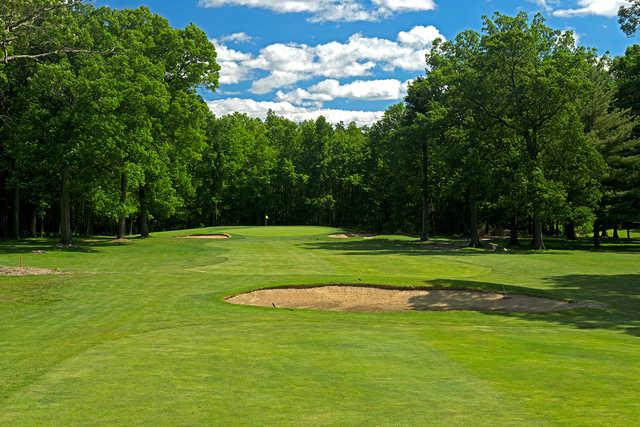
604	234
513	237
570	231
65	209
4	205
474	238
16	213
538	240
122	219
89	229
616	236
628	234
34	223
42	230
144	213
424	235
596	235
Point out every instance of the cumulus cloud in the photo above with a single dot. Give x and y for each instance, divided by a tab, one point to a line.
404	5
260	109
328	90
331	10
233	68
419	36
236	38
287	64
607	8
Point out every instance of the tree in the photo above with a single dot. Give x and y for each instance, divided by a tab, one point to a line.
36	29
629	17
426	114
32	30
391	181
522	77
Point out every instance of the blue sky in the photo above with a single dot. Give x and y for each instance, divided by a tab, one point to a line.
349	59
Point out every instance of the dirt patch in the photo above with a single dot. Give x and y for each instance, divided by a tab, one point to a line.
26	271
369	298
350	235
208	236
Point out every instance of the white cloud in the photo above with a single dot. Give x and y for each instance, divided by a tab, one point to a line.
544	4
236	38
287	64
328	90
331	10
419	36
405	5
259	109
607	8
232	64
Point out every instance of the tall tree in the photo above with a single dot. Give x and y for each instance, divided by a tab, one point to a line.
522	76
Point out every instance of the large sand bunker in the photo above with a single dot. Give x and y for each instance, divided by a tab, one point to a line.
26	271
369	298
208	236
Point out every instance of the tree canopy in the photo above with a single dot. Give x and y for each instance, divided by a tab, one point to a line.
512	130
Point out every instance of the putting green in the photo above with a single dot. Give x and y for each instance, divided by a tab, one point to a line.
140	334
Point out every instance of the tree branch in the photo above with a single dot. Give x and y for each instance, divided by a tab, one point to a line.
53	52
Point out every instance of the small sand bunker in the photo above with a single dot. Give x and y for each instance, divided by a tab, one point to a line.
350	235
208	236
26	271
375	299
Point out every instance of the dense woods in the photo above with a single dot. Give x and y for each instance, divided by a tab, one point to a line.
516	127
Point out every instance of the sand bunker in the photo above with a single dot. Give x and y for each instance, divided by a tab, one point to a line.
367	298
349	235
25	271
208	236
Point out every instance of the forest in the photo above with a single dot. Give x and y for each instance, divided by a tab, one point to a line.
516	130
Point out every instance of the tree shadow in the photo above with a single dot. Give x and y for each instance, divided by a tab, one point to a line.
35	246
390	246
586	244
620	295
459	247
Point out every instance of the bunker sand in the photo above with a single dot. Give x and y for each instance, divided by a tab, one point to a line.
207	236
375	299
26	271
350	235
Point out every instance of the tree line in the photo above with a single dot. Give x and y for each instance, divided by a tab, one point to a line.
514	129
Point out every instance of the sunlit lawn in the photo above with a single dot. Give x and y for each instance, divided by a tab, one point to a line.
139	333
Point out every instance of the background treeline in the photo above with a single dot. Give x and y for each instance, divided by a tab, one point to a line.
513	128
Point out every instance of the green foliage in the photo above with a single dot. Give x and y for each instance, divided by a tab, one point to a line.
510	125
629	17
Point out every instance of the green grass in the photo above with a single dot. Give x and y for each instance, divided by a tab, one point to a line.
139	333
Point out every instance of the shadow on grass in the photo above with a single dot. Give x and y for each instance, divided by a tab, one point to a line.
457	247
619	293
387	246
609	245
88	245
